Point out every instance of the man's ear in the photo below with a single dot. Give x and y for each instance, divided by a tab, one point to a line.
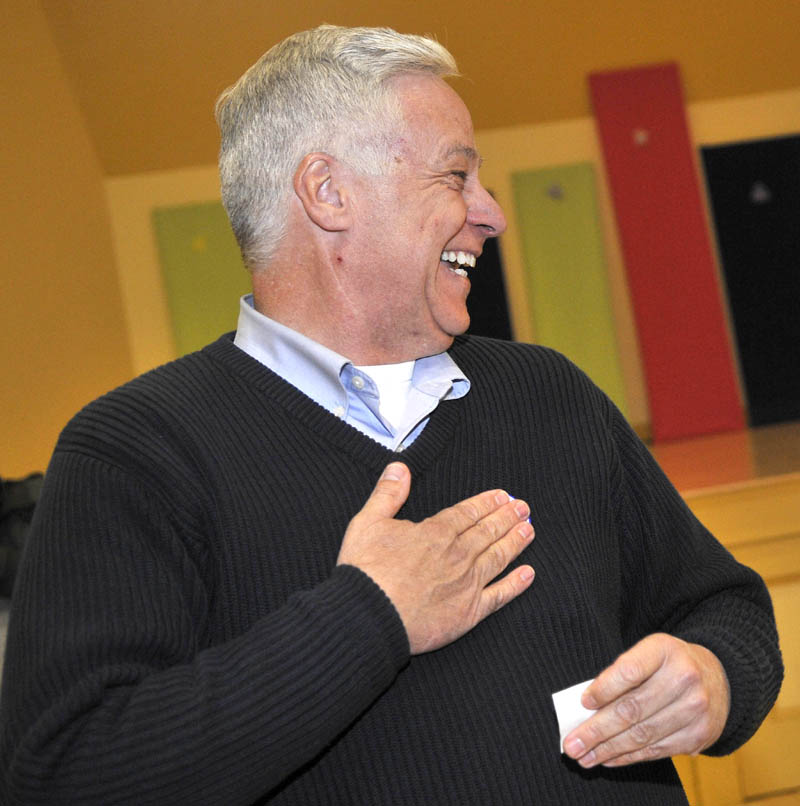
320	184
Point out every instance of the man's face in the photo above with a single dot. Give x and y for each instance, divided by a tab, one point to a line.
422	225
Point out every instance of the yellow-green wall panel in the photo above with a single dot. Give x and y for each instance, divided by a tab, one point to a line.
565	270
202	271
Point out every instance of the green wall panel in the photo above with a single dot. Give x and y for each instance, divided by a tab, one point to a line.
202	270
565	270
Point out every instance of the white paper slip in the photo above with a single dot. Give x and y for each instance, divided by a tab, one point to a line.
569	710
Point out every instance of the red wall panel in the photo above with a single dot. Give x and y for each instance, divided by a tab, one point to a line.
666	244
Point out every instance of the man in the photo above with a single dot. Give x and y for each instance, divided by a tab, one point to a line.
220	605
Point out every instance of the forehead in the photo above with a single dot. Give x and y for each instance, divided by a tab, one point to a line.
438	122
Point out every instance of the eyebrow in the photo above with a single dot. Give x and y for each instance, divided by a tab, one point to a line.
465	151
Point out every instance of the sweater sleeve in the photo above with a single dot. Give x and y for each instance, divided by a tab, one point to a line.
111	693
679	579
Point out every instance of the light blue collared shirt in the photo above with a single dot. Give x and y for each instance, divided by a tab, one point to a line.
336	384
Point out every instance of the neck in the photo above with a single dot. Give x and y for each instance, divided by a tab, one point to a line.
304	288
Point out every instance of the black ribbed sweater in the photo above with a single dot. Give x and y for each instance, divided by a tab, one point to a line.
180	633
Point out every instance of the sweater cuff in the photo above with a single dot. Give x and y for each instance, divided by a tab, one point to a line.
750	699
373	617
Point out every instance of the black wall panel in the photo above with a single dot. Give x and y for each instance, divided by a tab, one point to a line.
754	189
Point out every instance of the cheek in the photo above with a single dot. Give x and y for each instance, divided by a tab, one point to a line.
430	224
456	216
438	229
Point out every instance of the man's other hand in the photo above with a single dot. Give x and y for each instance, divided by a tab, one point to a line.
437	572
661	698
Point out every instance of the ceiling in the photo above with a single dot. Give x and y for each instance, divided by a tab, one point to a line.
146	73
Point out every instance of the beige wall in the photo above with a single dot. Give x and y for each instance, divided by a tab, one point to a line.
81	306
64	340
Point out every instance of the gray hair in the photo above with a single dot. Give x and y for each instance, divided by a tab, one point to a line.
327	89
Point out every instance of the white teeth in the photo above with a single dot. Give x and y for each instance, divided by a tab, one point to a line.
460	258
460	272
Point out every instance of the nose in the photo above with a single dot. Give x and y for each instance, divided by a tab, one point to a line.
484	213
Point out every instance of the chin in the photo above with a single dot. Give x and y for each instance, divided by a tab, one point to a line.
457	326
448	336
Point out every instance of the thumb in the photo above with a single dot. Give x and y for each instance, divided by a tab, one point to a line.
390	493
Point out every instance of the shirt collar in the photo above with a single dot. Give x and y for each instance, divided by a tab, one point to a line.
317	370
303	362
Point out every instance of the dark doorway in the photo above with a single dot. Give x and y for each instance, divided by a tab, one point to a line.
487	303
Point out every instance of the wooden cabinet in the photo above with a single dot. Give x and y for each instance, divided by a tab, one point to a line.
758	519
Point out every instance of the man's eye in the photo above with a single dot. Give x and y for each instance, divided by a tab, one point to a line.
460	177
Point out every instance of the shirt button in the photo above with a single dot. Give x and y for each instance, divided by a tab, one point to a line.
339	411
357	382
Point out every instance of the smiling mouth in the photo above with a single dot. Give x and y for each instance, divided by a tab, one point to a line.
459	262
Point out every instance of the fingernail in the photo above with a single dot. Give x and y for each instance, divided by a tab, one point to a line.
574	747
588	760
526	574
501	497
511	497
521	508
393	472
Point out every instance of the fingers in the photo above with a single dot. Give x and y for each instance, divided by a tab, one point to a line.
479	515
627	672
470	512
483	520
493	528
661	698
679	727
500	538
515	535
500	593
638	722
389	494
668	732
